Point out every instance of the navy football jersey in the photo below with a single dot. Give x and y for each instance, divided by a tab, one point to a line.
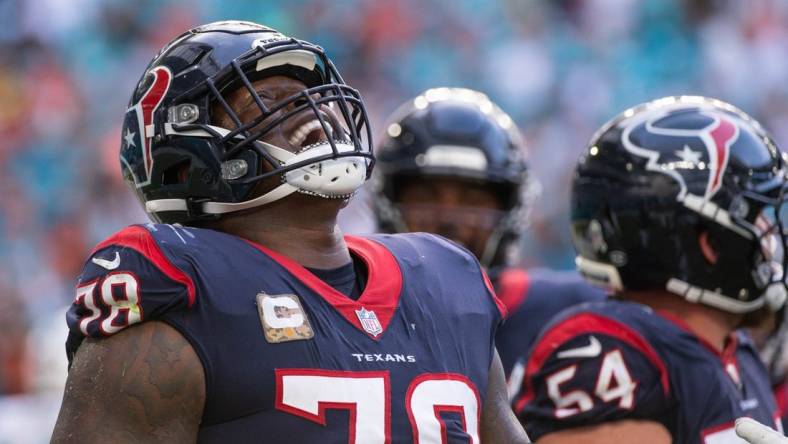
290	359
532	298
612	360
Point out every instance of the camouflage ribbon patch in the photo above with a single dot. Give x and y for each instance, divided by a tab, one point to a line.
283	318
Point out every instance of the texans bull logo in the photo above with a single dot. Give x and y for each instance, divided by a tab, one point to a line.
698	144
138	127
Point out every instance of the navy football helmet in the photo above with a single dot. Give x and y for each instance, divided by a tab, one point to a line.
659	176
184	168
456	133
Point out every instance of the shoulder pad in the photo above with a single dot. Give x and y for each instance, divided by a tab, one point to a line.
127	279
588	369
439	253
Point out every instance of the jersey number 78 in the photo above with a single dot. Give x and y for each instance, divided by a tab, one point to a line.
367	396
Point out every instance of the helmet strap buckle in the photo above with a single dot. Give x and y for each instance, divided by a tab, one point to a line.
194	208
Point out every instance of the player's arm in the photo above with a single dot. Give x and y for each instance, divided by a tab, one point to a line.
499	424
143	384
625	431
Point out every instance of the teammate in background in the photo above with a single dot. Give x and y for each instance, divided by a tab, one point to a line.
673	207
251	317
771	338
452	163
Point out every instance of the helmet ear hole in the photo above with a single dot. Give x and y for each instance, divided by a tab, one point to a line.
177	174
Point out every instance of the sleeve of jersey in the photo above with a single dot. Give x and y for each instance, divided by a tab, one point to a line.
126	280
588	370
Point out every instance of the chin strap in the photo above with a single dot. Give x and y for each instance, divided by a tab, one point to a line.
332	178
284	190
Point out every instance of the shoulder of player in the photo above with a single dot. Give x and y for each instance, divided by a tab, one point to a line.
163	243
144	251
609	318
424	242
437	255
544	290
591	330
587	338
173	239
130	278
569	283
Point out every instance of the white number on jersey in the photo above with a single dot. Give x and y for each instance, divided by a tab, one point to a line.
309	392
429	394
613	382
124	301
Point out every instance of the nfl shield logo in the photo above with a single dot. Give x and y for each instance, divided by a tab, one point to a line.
369	320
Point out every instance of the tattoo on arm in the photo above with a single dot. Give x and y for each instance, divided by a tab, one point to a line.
144	384
499	424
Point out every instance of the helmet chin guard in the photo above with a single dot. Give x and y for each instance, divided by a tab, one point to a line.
332	178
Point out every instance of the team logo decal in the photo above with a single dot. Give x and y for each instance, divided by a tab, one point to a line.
369	321
703	147
283	318
139	128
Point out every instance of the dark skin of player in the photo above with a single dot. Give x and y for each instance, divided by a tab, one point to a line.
442	196
146	383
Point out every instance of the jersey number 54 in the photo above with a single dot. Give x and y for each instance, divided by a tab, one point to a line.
613	383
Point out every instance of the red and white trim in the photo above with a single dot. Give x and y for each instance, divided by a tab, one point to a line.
381	294
438	393
140	240
513	284
581	324
498	304
366	395
87	299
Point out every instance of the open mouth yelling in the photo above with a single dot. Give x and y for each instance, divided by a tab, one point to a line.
309	133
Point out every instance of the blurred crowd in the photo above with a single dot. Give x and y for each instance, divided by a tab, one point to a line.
559	67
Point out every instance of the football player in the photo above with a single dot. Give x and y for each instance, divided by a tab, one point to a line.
452	162
675	206
245	315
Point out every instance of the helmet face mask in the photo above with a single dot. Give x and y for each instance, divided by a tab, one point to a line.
661	175
459	137
204	69
463	210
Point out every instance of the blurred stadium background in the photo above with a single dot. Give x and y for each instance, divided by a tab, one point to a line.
559	67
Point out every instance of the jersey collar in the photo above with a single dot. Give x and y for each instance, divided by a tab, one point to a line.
380	296
731	344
